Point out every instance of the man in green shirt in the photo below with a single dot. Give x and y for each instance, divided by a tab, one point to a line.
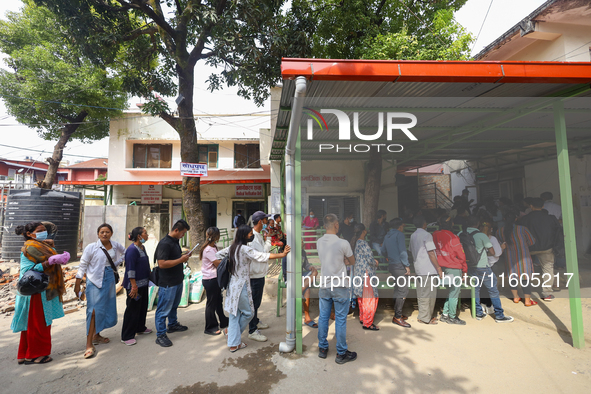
482	274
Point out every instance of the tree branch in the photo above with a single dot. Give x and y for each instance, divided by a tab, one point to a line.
140	31
171	120
155	13
196	52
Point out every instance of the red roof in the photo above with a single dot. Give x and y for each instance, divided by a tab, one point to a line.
93	163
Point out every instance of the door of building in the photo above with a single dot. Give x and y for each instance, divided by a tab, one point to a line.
339	205
247	208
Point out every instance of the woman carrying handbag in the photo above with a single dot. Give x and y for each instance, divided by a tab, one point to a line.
34	314
99	263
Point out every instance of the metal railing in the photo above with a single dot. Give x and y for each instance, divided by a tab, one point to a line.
432	197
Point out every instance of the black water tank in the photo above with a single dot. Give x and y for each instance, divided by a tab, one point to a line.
40	205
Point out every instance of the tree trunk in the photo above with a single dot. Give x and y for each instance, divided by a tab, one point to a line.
58	151
373	183
191	187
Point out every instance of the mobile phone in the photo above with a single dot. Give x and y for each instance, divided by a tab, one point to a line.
192	250
137	298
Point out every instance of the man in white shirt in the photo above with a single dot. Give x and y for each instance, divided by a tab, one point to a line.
550	206
423	248
258	271
334	254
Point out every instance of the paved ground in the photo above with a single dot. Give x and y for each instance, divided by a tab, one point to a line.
481	357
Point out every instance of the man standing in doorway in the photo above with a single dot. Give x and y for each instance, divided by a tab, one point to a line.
335	254
258	271
377	232
423	249
170	259
239	219
544	227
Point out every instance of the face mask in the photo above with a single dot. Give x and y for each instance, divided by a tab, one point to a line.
251	238
351	221
142	240
41	236
311	216
264	226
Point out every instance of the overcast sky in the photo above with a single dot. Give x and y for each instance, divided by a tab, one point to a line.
502	16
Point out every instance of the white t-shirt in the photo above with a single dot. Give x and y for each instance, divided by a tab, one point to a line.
497	248
332	252
553	209
421	242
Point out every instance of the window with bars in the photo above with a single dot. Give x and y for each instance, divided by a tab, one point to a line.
246	156
209	154
152	155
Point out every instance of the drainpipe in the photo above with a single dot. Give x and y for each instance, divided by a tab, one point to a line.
294	126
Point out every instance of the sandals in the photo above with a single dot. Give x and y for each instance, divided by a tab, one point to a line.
21	362
371	328
89	353
311	323
517	300
532	303
241	346
218	332
98	340
42	360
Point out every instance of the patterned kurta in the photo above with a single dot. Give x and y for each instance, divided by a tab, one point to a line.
519	259
309	232
241	277
364	263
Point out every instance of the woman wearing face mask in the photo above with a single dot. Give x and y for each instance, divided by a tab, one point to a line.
101	303
238	301
135	281
310	225
33	315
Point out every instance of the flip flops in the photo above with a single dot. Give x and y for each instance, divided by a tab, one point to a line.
44	360
311	323
89	353
241	346
532	303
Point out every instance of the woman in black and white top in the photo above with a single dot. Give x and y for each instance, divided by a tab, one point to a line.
101	306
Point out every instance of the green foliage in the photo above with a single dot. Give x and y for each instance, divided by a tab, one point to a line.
50	82
448	41
102	177
350	29
162	40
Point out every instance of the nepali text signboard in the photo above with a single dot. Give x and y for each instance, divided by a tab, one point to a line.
249	191
193	169
151	194
323	180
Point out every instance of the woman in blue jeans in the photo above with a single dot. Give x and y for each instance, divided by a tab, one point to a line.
238	301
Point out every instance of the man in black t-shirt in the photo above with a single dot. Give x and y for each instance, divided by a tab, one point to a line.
347	228
170	259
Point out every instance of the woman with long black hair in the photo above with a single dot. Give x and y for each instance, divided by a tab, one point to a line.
519	261
239	295
210	284
135	281
363	270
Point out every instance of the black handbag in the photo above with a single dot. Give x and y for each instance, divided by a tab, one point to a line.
223	273
32	282
155	275
115	272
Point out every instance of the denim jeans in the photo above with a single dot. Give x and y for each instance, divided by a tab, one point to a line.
168	303
238	322
340	298
450	308
400	292
487	278
257	287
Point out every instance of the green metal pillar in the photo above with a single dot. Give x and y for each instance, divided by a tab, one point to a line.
111	195
568	219
282	185
105	195
297	248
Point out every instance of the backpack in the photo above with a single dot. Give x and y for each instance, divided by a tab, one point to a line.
223	273
469	245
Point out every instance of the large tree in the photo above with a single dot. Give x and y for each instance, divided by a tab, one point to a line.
244	39
51	86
